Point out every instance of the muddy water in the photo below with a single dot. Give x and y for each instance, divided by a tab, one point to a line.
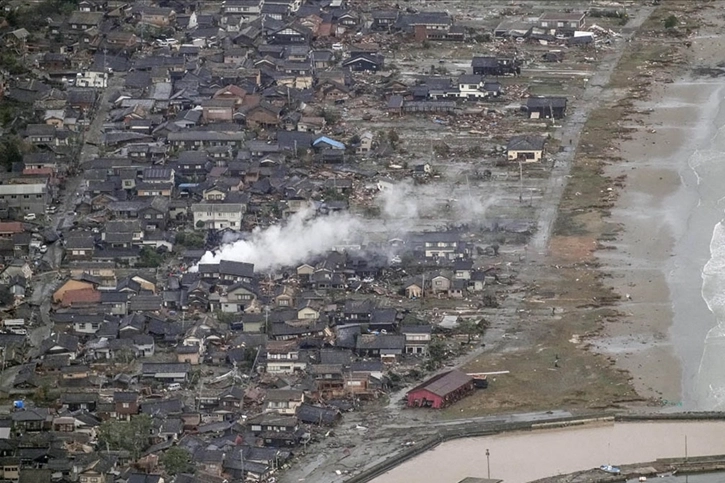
525	456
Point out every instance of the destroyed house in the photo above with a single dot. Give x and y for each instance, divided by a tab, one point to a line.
384	19
320	416
546	107
364	63
495	66
447	244
386	346
166	372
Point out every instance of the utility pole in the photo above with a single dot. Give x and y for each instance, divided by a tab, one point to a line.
685	448
241	458
521	182
488	464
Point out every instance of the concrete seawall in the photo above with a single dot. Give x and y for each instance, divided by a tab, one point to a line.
474	429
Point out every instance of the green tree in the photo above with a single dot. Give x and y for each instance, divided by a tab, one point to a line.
671	22
150	258
330	116
177	460
436	354
190	239
471	328
132	436
10	153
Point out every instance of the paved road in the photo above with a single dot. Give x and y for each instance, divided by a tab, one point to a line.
591	99
43	287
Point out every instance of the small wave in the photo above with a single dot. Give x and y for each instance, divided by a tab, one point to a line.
711	373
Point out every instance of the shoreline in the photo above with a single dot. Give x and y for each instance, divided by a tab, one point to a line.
666	219
654	339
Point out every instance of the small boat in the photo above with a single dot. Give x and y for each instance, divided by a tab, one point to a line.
610	469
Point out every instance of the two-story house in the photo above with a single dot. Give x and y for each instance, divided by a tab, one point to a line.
284	357
217	216
417	338
562	23
283	401
275	429
125	405
247	9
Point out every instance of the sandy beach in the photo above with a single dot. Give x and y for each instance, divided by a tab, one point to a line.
667	212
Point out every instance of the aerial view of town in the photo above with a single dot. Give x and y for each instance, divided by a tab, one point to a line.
327	241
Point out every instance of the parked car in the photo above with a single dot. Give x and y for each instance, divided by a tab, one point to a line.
30	217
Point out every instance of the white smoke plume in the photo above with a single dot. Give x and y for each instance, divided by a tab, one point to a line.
303	236
299	238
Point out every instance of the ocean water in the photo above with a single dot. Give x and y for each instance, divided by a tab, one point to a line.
708	166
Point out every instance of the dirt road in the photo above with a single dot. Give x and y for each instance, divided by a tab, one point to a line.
570	132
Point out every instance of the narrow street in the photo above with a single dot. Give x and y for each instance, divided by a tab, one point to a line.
45	283
43	287
92	139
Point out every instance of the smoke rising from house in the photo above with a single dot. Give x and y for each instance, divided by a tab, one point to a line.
299	238
404	208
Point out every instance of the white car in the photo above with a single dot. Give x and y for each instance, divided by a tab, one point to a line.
30	217
43	248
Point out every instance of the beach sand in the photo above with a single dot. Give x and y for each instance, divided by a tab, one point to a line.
666	221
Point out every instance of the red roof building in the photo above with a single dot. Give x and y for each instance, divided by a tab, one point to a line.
84	297
9	228
441	390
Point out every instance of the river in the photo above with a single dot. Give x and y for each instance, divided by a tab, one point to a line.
518	457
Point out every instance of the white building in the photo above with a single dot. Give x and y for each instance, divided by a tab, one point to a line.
217	216
92	79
